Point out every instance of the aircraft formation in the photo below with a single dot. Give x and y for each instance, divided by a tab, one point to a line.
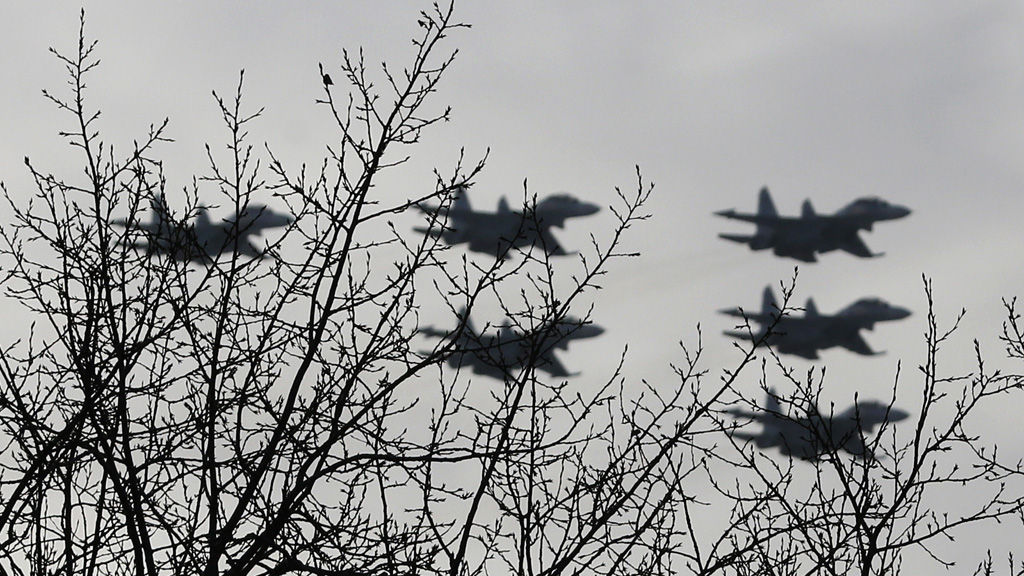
204	240
811	435
500	352
498	234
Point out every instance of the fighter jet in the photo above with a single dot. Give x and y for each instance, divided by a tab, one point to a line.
493	232
811	436
811	233
204	240
497	355
805	335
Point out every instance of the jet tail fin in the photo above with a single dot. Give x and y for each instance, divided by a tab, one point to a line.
807	210
766	213
771	402
202	218
765	206
161	211
810	309
463	316
461	201
769	307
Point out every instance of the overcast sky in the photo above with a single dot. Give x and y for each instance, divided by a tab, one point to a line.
919	103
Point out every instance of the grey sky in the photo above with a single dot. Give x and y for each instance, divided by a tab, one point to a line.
916	102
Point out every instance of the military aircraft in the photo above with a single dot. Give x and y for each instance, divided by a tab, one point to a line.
811	233
497	355
205	240
494	232
811	436
805	335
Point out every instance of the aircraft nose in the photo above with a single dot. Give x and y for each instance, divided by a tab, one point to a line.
896	414
899	313
586	208
900	211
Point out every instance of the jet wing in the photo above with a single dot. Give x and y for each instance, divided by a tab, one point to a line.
856	343
854	245
552	365
478	365
802	350
546	240
248	249
482	241
805	254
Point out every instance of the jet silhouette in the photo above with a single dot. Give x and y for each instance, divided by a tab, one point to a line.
811	233
493	232
805	335
497	355
811	436
204	240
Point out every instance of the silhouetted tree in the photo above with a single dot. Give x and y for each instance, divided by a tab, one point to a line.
191	409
